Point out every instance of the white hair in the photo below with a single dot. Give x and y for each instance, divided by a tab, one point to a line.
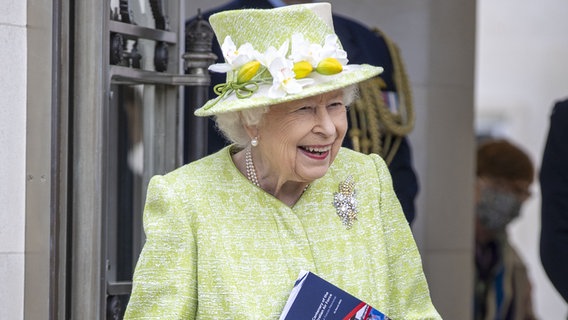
232	124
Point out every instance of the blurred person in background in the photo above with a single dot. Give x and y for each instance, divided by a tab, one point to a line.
502	287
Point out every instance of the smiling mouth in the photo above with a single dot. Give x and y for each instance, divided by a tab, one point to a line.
316	151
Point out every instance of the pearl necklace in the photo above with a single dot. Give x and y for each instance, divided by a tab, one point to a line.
251	171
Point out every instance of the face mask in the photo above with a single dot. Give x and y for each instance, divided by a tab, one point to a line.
496	208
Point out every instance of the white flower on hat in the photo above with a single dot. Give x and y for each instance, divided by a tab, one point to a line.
271	54
288	73
284	79
234	58
331	49
302	50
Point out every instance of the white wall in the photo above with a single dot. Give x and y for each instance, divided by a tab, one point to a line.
522	69
12	156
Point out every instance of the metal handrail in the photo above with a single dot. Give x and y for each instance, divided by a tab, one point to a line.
135	31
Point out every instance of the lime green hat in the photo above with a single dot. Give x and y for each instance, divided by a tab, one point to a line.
279	55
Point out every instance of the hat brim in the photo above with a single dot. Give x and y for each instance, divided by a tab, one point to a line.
352	74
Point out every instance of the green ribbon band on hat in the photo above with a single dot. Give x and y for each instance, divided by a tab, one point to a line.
242	90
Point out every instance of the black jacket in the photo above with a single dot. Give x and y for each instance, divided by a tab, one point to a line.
554	189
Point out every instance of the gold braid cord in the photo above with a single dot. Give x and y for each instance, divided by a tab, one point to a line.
371	117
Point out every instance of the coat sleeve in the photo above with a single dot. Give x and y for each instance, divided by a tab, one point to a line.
164	284
408	288
554	189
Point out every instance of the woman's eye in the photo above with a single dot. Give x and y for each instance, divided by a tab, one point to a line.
335	105
305	108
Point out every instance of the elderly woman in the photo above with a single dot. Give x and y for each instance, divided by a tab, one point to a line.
227	235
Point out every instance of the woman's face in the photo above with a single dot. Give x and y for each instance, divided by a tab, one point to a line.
299	140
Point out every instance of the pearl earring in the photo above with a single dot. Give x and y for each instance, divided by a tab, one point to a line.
254	142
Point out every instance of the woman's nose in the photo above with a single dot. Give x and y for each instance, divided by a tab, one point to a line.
324	123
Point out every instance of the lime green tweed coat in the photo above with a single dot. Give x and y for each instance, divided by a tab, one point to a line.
218	247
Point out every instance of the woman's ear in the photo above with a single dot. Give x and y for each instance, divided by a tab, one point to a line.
252	131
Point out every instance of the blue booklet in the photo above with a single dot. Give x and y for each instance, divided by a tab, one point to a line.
315	298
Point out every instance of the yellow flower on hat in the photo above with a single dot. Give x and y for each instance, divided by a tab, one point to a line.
329	66
302	69
248	71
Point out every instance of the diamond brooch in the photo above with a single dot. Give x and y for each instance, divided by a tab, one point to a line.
345	203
